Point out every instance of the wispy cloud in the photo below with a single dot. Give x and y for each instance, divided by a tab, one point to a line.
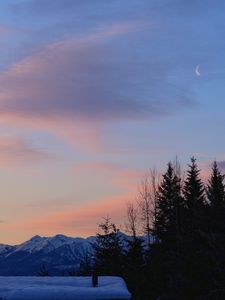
85	79
73	86
119	176
115	78
16	151
80	220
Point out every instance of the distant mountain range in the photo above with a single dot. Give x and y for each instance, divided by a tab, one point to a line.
59	254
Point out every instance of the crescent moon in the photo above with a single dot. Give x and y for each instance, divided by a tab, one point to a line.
197	72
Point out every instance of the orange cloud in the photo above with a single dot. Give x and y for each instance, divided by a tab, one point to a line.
74	220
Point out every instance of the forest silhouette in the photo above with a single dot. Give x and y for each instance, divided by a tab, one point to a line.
183	221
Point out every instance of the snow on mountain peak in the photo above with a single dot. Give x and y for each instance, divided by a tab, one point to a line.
59	253
36	243
47	244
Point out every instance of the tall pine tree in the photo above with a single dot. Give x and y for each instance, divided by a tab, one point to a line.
196	247
216	223
216	188
194	196
216	197
168	207
164	254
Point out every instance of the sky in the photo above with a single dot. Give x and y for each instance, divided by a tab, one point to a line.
93	94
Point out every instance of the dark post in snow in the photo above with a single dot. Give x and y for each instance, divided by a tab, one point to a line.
94	278
94	274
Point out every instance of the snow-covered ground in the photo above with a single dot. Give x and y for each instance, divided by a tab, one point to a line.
62	288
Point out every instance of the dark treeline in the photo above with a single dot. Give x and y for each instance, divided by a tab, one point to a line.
183	254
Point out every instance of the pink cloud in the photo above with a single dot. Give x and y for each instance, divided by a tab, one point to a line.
119	175
15	151
35	84
73	87
74	220
69	88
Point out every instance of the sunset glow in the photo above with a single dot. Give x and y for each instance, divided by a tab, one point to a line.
95	93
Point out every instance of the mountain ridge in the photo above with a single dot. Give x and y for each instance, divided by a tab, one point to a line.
54	252
60	254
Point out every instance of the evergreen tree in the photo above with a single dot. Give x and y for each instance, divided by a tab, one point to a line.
216	197
164	254
134	272
216	220
216	188
194	196
108	249
196	244
168	207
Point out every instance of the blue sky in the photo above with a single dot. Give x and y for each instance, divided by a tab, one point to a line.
93	94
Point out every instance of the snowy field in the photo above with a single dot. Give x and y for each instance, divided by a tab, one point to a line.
62	288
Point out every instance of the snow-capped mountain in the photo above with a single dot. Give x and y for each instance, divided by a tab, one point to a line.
47	244
58	253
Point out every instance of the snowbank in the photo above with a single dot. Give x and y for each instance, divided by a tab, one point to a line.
62	288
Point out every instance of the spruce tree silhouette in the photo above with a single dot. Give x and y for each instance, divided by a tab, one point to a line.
194	197
168	207
216	188
107	249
